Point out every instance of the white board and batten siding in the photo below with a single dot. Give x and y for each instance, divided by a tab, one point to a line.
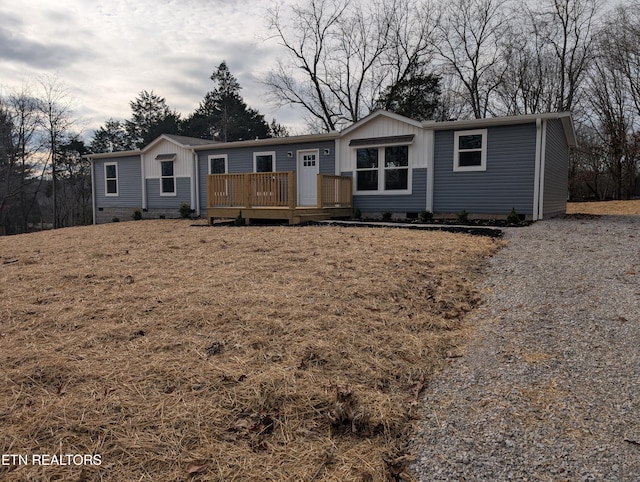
182	167
386	126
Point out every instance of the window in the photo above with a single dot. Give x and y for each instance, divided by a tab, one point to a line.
167	179
470	151
218	164
111	179
264	161
396	168
382	169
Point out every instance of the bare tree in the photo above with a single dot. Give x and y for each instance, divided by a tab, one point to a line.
20	170
621	39
564	30
524	86
57	123
469	45
342	55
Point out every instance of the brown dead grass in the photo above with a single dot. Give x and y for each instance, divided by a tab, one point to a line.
259	353
605	207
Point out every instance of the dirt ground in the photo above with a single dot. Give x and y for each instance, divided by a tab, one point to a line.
605	207
160	351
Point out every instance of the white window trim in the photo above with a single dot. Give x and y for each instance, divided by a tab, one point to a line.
456	151
175	183
219	156
266	153
117	193
381	168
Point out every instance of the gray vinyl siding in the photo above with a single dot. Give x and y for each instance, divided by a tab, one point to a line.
129	183
508	181
556	182
401	203
240	160
155	200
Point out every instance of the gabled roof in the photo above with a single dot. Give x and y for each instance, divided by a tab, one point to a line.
182	141
327	136
189	141
375	115
564	117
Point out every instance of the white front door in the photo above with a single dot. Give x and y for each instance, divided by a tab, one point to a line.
308	169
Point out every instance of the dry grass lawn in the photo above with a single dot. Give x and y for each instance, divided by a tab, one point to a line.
221	354
605	207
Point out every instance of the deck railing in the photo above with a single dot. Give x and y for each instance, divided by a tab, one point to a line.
334	191
273	189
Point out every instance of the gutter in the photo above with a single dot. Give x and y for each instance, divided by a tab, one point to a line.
93	190
543	158
195	191
536	179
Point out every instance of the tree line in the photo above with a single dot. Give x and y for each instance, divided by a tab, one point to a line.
44	179
221	116
435	60
342	59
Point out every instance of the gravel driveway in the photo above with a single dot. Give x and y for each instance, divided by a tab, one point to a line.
549	385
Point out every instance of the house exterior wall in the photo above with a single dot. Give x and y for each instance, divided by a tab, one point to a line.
397	204
170	203
507	182
129	196
385	127
556	177
182	166
129	179
240	160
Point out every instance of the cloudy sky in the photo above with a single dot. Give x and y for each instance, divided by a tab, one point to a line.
107	51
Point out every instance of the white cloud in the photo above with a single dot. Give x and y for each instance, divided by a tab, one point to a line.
107	52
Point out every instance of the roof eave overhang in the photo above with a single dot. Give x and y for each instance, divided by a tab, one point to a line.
271	141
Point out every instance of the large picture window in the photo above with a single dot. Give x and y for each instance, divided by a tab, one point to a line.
470	150
111	179
382	169
167	180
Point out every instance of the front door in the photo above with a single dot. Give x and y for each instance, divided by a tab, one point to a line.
308	169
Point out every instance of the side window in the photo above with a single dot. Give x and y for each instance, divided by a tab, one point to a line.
264	161
167	180
218	164
470	151
111	179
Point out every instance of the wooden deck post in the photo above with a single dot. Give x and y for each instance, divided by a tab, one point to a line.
292	191
319	192
246	190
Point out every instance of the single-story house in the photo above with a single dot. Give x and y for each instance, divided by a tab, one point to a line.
384	163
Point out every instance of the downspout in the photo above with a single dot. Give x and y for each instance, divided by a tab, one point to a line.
543	158
538	162
196	184
144	183
431	154
93	190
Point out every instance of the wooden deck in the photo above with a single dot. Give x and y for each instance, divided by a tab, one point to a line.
272	195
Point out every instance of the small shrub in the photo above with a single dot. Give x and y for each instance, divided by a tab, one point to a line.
115	220
513	217
463	216
185	210
239	221
386	216
137	215
426	216
357	214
